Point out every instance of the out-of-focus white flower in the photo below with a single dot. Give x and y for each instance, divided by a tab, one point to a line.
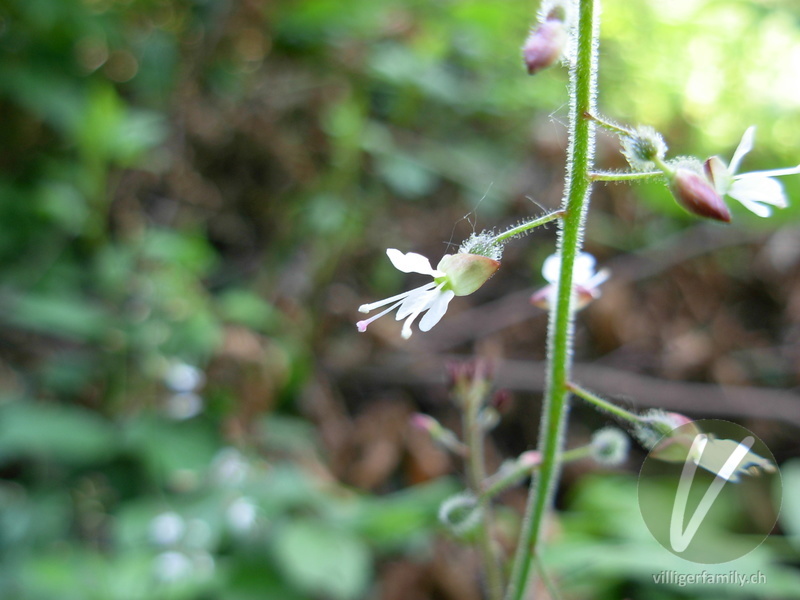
167	529
172	566
455	275
229	467
183	405
758	192
183	377
241	514
585	280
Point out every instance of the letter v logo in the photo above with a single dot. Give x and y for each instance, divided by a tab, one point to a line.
680	538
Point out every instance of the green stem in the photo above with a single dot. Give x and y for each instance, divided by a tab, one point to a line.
604	404
583	74
523	227
667	170
611	176
505	478
618	129
476	470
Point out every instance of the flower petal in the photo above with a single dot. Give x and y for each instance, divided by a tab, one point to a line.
584	268
596	280
760	210
436	311
416	302
411	262
717	173
744	147
551	268
771	173
764	190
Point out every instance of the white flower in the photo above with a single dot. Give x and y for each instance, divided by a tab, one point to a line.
758	192
183	377
455	275
712	454
167	529
585	281
172	566
242	514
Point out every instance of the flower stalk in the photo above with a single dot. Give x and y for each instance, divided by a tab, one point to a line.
605	405
471	391
523	228
583	75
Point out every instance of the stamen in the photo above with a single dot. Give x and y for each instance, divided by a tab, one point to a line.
406	331
362	325
365	308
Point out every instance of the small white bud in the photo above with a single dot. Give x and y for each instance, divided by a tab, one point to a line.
610	446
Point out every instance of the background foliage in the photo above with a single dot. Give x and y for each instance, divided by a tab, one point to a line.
196	194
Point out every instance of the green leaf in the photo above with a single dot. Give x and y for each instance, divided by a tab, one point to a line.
66	433
71	318
322	559
168	447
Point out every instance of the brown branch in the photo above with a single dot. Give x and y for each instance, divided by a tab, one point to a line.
694	399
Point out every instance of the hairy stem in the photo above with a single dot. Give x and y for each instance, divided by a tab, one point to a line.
611	176
604	404
527	226
583	75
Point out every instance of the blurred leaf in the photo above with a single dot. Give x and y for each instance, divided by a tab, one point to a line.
109	130
190	252
247	308
71	318
322	559
43	430
406	177
255	581
789	508
171	448
403	518
80	575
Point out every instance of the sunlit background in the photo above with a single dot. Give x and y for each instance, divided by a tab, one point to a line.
196	196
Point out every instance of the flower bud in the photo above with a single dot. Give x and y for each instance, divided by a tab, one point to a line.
657	432
442	436
501	401
488	418
544	45
610	446
697	195
461	513
465	273
512	472
643	147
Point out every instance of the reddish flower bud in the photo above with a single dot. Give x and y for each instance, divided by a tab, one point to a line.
697	195
530	459
544	45
501	401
